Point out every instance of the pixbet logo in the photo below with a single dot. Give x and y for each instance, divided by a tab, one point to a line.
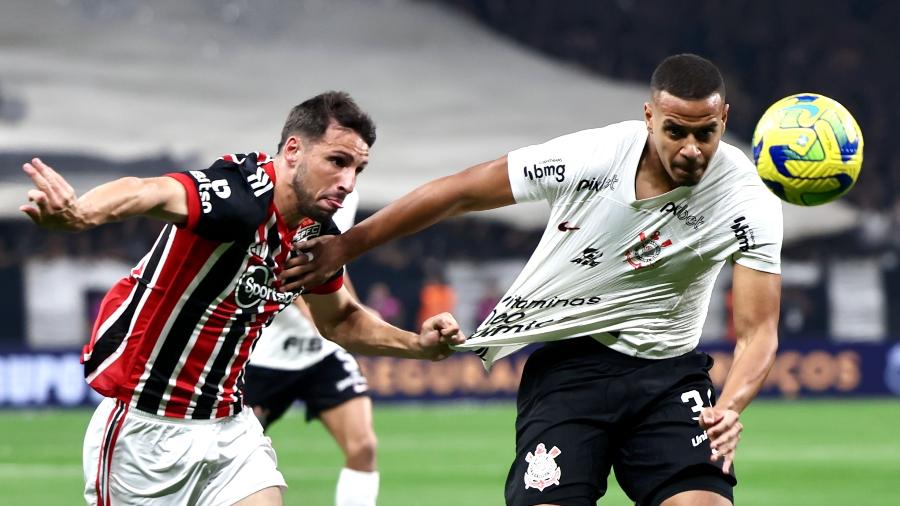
681	212
550	170
596	184
219	187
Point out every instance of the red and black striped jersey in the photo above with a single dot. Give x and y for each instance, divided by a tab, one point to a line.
172	338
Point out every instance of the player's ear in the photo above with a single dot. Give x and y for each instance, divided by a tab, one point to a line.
292	149
648	116
724	116
293	144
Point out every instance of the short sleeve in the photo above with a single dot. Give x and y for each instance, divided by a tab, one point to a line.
546	171
758	233
227	201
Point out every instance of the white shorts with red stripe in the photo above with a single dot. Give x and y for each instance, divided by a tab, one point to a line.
132	457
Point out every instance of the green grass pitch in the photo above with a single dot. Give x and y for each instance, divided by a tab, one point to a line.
792	453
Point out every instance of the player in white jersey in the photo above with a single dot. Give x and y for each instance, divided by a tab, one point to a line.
293	361
643	217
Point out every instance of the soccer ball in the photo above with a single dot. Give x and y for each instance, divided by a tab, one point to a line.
808	149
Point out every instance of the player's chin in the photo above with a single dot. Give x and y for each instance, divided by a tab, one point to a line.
322	212
690	177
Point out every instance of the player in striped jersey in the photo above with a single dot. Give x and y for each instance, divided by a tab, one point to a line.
169	345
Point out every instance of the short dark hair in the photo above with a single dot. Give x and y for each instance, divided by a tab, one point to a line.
310	119
687	76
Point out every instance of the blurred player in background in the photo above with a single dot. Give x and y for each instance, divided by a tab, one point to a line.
291	361
171	340
644	214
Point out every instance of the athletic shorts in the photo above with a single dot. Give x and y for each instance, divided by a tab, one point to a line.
329	383
584	409
133	457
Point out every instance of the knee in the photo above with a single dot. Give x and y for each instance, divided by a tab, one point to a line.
361	451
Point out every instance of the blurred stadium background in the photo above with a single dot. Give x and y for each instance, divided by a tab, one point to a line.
104	88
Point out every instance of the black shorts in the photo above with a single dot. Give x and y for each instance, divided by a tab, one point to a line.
584	408
331	382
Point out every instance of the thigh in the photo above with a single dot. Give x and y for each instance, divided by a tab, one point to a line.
332	382
243	465
95	469
705	490
561	463
349	421
148	461
128	460
664	444
563	441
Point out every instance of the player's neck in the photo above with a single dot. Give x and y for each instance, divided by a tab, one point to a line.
651	178
285	198
286	205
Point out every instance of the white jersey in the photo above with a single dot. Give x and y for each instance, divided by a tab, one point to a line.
637	275
292	342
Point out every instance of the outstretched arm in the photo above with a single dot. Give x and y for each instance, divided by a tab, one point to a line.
484	186
343	320
481	187
56	206
757	299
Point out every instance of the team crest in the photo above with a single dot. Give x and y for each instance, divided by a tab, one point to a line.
542	469
647	251
308	229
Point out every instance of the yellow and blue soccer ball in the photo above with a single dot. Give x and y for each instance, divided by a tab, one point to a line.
808	149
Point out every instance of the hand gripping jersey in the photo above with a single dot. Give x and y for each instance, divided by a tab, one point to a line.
172	337
292	342
637	275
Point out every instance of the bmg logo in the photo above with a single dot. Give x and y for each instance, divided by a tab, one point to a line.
539	172
743	234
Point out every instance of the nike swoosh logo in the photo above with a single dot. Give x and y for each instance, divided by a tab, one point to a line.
564	227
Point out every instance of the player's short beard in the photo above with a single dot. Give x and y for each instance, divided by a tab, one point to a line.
306	201
687	181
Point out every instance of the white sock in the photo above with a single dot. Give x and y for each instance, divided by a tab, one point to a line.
356	488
